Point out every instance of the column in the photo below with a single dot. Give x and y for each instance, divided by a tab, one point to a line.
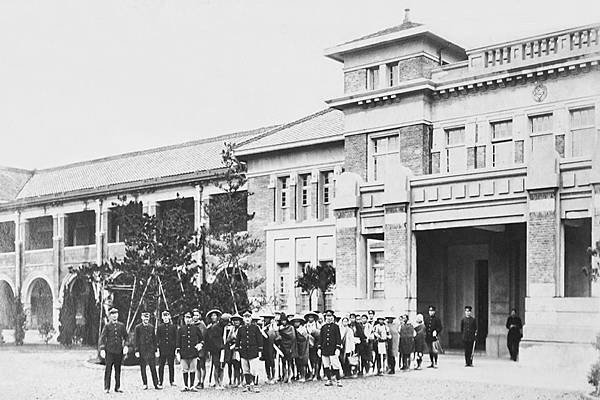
272	188
18	252
24	238
152	207
105	213
198	209
293	196
315	211
346	206
100	233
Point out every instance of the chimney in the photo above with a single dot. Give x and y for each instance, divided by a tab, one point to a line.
406	16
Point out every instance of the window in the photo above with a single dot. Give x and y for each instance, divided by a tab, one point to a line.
540	127
329	295
378	273
282	283
373	78
383	148
7	237
305	195
502	144
582	131
327	193
455	150
80	229
40	234
284	200
392	74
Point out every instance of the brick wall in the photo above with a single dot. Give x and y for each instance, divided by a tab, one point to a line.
355	149
396	259
355	81
417	67
260	202
541	247
345	255
415	145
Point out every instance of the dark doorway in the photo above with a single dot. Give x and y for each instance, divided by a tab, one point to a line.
483	295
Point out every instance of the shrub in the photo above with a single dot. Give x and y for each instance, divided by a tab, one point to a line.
20	319
46	331
594	377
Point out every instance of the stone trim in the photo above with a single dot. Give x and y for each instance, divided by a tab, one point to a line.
399	208
542	195
346	213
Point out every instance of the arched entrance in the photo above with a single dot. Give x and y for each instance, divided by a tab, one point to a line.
41	303
78	314
7	301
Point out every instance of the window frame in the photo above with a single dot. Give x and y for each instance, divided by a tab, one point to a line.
448	147
499	141
376	155
573	130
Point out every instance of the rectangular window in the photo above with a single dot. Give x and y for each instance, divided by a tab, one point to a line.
373	78
541	124
383	148
327	193
582	124
284	198
502	144
329	295
305	196
7	237
283	271
378	273
40	234
455	150
392	74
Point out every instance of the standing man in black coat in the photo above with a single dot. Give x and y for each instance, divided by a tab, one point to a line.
215	345
515	333
468	328
249	341
145	350
330	346
112	348
166	336
189	342
433	328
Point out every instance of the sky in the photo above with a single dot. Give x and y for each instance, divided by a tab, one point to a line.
83	79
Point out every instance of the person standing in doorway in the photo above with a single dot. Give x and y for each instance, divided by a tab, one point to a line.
166	336
515	333
112	348
433	328
468	328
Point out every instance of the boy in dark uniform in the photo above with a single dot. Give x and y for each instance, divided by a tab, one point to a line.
145	350
166	335
215	344
112	348
330	346
249	340
468	328
201	359
189	342
433	328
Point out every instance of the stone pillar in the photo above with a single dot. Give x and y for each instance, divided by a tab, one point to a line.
315	206
18	252
198	209
346	205
397	237
58	249
272	188
293	195
152	207
104	230
100	232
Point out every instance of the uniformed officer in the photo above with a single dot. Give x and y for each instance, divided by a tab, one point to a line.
215	345
201	361
145	350
433	328
330	345
189	342
166	336
112	348
249	341
468	328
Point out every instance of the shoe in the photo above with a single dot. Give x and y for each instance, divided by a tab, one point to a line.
339	384
106	391
245	389
301	380
219	387
328	383
192	389
254	389
144	387
185	389
431	366
118	390
172	384
158	387
199	386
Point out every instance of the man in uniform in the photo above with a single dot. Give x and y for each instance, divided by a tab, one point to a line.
433	328
189	342
468	328
249	340
268	332
166	335
330	346
112	348
215	345
201	359
145	350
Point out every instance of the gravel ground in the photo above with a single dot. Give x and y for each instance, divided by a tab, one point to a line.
51	373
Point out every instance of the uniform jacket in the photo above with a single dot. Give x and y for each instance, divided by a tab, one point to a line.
188	336
268	352
166	338
214	337
113	337
203	329
287	341
248	341
468	328
330	339
145	340
381	333
514	326
432	324
359	332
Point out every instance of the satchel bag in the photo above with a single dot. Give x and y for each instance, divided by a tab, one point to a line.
436	347
353	359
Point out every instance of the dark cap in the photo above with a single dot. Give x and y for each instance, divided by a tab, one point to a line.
352	314
247	313
113	310
468	308
165	313
329	312
188	314
145	313
431	308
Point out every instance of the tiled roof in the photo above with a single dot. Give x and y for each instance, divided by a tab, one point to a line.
325	124
163	162
402	27
12	181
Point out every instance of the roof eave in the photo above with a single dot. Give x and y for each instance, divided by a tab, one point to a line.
286	146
